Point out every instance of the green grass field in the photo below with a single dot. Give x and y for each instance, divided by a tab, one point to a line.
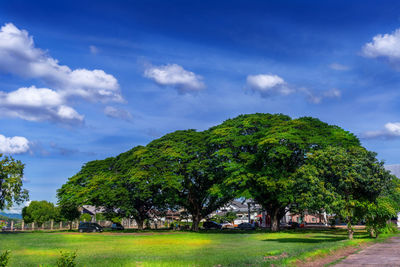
175	248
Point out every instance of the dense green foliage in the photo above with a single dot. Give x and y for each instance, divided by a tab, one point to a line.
39	212
85	217
346	182
282	163
11	174
187	158
264	152
67	211
5	258
227	217
66	259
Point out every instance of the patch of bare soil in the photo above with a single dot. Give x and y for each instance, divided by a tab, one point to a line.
333	257
276	257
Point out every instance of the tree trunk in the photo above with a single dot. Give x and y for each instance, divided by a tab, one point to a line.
274	220
371	232
196	218
70	225
350	231
139	222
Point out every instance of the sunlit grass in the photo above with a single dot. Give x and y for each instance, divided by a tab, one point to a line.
176	249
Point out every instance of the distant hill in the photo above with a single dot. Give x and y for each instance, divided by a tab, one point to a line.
11	215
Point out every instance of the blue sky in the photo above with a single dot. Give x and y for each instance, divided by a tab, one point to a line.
84	80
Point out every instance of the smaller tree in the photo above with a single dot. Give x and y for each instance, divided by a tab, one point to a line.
69	212
378	214
386	206
346	182
39	212
11	174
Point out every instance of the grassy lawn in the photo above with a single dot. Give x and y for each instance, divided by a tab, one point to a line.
175	248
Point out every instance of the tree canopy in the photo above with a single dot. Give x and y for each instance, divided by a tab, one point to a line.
199	176
282	163
39	212
11	190
346	182
264	151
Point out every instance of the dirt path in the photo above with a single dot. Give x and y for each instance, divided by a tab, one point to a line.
380	254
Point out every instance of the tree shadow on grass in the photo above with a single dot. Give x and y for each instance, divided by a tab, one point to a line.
314	240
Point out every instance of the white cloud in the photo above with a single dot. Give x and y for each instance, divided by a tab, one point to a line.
317	98
337	66
394	169
38	104
268	84
19	56
175	76
392	130
118	113
386	45
13	145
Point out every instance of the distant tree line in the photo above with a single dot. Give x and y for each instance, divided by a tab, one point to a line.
282	163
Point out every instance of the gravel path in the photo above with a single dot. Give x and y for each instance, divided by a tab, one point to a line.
380	254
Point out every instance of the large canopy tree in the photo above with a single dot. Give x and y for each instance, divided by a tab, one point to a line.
187	158
73	192
126	186
263	152
11	174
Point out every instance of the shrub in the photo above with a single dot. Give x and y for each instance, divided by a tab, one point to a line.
4	258
390	228
66	259
85	217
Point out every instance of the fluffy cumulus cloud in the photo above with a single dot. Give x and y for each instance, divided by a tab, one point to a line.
267	84
13	145
118	113
175	76
38	104
19	56
391	130
386	45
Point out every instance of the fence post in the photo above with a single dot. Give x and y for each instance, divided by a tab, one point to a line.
12	226
23	225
